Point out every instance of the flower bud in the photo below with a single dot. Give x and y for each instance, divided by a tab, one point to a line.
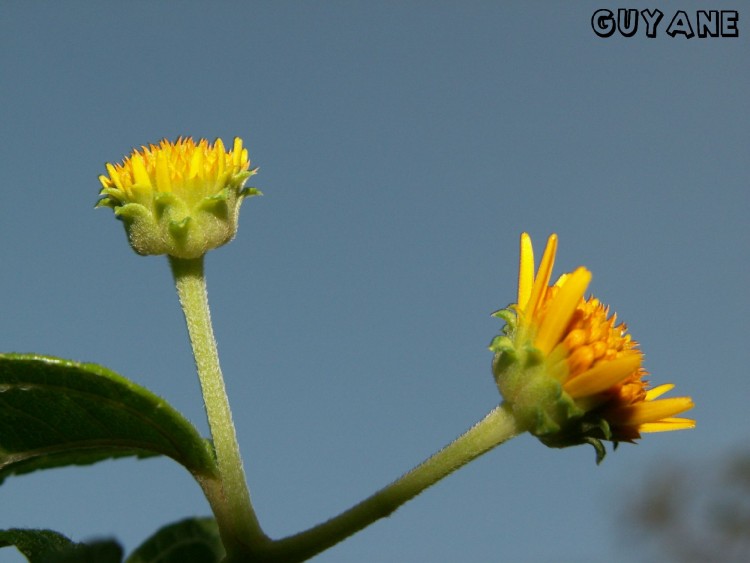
179	198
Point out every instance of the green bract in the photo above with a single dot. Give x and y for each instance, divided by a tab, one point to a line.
171	226
537	399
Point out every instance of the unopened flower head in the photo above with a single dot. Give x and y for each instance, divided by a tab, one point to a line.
571	373
179	198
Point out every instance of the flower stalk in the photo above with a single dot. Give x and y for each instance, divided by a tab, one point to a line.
231	499
497	427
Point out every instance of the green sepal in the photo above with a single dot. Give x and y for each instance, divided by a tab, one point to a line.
106	202
590	428
250	192
56	412
218	204
240	177
179	229
131	212
165	202
111	197
601	451
194	540
508	315
140	226
46	546
502	345
212	200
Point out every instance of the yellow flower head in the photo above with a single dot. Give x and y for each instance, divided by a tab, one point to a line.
179	198
571	373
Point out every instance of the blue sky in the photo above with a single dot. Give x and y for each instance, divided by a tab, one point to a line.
403	147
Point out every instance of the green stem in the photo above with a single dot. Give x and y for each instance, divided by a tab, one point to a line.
497	427
228	494
229	497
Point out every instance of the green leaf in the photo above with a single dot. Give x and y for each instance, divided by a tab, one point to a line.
46	546
195	540
56	412
35	544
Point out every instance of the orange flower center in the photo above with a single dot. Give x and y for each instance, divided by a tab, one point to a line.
593	337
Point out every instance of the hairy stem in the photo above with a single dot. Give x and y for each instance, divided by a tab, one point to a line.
497	427
230	497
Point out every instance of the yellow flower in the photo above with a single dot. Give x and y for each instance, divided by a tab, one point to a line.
179	198
571	373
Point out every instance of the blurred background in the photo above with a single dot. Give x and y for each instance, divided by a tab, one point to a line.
403	147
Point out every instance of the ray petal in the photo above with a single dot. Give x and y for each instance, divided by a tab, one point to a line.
602	376
561	309
651	411
163	182
656	392
541	281
525	271
667	425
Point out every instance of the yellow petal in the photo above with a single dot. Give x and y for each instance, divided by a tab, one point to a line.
561	280
237	152
652	394
652	411
196	165
541	281
525	271
163	183
114	175
140	175
560	310
105	181
667	425
602	376
219	153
